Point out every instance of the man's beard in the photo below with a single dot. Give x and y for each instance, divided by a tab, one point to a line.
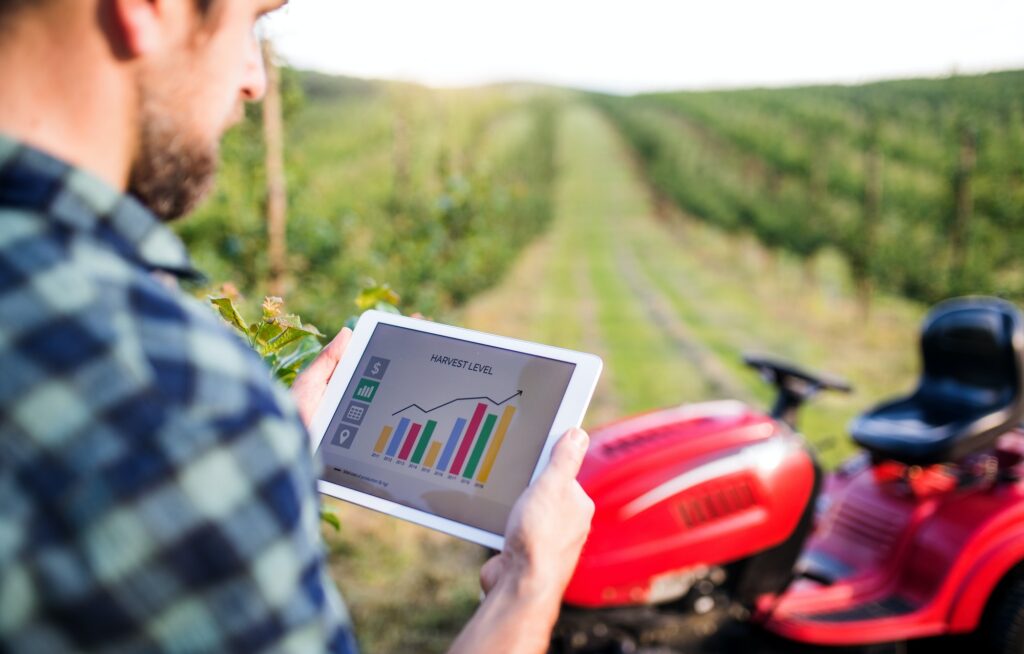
173	170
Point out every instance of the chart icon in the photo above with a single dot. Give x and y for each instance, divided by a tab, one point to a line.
366	390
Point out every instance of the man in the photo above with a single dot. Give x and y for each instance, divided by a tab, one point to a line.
156	489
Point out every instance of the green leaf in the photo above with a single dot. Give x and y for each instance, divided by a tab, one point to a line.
286	376
375	295
331	519
272	360
265	332
226	309
302	355
311	329
287	337
295	359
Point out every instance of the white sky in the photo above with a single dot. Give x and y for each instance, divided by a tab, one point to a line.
650	44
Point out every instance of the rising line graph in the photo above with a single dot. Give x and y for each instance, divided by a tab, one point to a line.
459	399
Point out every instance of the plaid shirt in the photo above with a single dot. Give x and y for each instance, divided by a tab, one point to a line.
156	488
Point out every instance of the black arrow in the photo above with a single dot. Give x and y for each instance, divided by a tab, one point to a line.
459	399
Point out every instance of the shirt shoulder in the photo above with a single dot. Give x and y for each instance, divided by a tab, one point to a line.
162	481
74	312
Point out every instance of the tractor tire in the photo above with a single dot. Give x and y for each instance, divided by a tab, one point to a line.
1006	635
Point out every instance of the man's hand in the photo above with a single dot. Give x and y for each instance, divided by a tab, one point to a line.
548	525
309	386
545	534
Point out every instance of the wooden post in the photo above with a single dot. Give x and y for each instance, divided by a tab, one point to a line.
277	193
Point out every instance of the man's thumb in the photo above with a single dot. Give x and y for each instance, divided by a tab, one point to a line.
567	455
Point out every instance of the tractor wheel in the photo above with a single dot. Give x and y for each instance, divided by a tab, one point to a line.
1006	635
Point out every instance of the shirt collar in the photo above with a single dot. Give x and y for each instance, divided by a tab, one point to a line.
31	179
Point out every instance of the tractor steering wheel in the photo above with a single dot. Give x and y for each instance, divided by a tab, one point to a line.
794	384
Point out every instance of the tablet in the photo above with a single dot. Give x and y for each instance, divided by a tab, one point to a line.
444	426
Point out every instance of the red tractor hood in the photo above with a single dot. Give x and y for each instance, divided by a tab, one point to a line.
680	490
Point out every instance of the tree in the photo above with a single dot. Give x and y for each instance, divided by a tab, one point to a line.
277	193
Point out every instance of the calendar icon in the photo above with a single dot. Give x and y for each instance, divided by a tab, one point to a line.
355	412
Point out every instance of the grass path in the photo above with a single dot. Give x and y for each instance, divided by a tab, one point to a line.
578	293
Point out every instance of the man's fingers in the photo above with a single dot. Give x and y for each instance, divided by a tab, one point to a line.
320	371
567	456
310	385
332	353
491	571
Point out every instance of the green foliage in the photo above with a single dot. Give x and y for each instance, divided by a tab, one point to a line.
791	166
381	297
375	296
436	191
331	520
285	344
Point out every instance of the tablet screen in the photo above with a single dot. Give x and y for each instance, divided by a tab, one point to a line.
444	425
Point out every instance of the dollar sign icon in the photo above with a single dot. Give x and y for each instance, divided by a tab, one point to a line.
376	368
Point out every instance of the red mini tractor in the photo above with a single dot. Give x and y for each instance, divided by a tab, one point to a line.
715	515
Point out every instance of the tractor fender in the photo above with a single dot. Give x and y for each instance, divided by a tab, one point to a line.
981	580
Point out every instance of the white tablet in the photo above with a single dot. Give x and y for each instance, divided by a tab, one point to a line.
443	426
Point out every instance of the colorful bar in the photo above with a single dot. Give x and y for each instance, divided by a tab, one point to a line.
385	434
474	424
410	440
417	456
499	437
396	440
449	447
481	443
435	449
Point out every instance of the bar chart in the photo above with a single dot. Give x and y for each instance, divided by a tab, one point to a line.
465	447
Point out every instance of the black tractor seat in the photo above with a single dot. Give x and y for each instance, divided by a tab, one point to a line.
971	388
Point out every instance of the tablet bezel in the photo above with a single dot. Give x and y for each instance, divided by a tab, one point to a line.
570	411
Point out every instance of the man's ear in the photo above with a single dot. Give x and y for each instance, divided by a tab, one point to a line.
147	25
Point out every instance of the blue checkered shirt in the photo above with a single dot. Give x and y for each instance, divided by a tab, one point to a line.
156	488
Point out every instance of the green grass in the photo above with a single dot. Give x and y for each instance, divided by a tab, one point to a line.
601	203
408	589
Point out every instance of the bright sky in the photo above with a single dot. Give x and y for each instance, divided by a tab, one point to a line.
650	44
